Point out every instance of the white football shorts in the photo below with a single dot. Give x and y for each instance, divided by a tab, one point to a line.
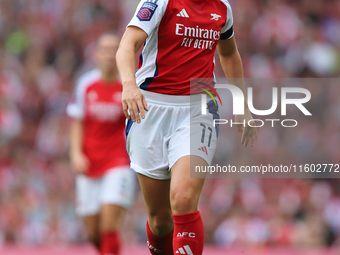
173	128
117	186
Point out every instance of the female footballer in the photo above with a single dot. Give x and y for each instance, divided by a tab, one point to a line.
180	38
105	185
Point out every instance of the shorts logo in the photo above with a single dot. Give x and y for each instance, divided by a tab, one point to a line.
204	149
146	11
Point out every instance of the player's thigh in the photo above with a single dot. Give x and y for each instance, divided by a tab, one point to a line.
155	192
184	190
111	217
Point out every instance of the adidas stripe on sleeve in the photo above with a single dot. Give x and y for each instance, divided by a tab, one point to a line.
149	14
227	31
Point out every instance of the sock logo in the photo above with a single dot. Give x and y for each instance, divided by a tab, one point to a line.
185	250
189	234
153	248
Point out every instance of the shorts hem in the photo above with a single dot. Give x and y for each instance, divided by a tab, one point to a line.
123	205
179	157
82	213
141	171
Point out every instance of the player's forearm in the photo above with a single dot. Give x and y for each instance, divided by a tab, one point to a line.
76	137
233	69
126	64
131	42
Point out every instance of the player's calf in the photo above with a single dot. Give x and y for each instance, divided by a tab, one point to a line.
184	196
94	239
111	218
188	225
159	245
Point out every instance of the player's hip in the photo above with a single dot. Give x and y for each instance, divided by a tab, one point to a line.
171	112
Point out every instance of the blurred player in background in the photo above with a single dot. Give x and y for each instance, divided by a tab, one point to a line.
180	41
105	185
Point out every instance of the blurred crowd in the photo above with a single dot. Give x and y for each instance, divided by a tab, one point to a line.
46	44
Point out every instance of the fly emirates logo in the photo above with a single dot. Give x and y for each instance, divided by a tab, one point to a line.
204	38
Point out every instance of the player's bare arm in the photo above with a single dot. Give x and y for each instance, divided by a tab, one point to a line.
232	66
132	99
79	161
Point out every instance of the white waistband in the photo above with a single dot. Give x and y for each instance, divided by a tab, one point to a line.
166	99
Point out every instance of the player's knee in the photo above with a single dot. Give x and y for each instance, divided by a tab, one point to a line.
183	202
161	221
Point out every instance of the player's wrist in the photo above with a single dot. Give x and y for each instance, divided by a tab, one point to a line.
129	83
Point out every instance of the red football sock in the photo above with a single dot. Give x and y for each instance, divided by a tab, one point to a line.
188	234
159	245
110	243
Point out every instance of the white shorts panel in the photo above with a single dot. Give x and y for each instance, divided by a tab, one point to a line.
191	140
87	192
147	143
117	186
163	137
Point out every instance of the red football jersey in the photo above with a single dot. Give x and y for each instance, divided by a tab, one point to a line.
98	104
181	43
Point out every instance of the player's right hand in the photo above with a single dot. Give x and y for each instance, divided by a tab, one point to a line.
80	163
249	133
133	101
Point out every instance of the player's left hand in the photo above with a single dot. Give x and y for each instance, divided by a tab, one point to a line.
249	133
